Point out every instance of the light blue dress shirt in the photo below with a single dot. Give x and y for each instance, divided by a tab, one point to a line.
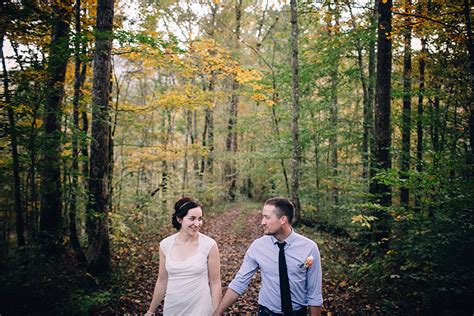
305	283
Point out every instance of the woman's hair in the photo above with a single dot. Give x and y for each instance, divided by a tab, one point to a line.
181	208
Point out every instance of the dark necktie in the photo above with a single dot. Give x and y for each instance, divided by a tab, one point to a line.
284	282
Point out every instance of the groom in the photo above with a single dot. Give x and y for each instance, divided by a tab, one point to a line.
289	263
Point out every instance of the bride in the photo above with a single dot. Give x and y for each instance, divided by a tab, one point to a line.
189	269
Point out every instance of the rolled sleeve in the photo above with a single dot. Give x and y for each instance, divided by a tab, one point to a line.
314	280
243	277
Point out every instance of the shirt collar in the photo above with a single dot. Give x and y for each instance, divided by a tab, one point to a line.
291	237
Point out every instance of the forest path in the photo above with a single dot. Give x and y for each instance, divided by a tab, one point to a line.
234	230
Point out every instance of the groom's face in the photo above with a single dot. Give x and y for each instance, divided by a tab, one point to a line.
271	223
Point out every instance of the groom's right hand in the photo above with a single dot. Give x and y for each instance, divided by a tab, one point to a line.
229	298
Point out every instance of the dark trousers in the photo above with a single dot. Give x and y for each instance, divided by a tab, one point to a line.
263	311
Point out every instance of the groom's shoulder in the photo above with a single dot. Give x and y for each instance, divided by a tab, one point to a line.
263	240
304	239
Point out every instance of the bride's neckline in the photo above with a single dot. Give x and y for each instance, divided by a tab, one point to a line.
190	257
187	240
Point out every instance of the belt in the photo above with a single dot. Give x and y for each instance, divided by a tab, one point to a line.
265	311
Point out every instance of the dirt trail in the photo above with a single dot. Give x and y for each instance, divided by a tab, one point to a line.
234	230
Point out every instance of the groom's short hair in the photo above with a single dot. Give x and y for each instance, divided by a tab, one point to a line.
283	206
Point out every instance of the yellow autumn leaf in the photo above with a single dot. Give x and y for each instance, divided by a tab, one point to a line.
270	103
365	221
258	97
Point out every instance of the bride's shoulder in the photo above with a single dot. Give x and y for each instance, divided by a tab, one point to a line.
206	239
165	242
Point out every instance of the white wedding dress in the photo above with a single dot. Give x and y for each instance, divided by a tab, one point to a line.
188	292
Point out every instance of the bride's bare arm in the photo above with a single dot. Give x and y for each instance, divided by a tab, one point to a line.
160	286
214	268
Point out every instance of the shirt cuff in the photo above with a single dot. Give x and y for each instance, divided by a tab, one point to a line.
316	301
238	288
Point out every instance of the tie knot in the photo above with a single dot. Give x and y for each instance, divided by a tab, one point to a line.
281	245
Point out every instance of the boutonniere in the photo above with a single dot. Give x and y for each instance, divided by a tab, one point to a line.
308	262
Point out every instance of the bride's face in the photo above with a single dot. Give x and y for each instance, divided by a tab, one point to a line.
192	222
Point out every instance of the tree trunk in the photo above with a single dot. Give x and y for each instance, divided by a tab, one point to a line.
184	185
33	199
420	110
165	177
435	122
194	141
333	110
210	111
50	189
470	47
78	80
204	144
316	142
406	114
383	140
84	143
20	226
277	130
231	141
98	206
112	130
207	163
210	136
295	113
371	92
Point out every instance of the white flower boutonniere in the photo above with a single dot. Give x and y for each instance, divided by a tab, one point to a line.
308	262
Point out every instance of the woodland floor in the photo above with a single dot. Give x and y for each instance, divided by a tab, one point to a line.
62	288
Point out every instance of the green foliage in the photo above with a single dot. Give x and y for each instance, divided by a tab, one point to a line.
83	303
131	38
426	267
210	195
